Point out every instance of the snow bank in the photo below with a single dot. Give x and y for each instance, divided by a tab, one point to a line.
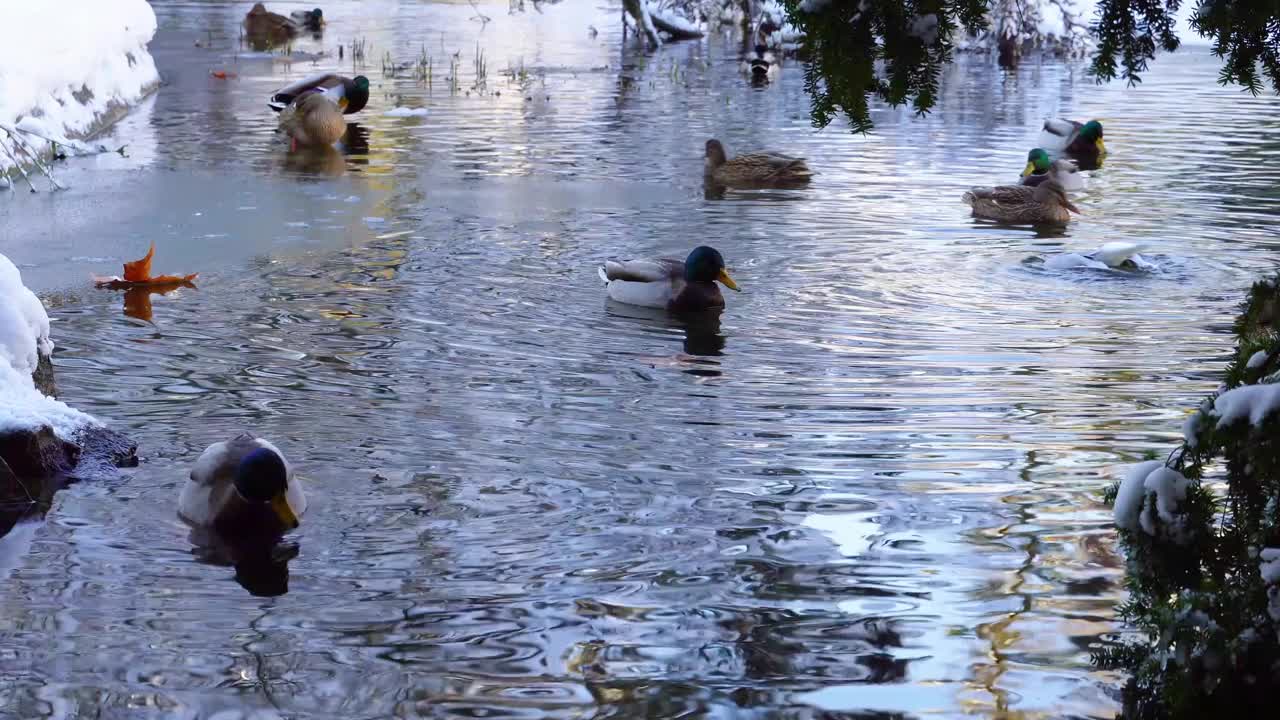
24	336
71	64
1149	500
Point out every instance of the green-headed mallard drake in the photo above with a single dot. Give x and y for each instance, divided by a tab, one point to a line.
242	487
1046	203
313	119
1062	170
688	286
1082	141
350	94
1037	169
312	20
266	29
755	169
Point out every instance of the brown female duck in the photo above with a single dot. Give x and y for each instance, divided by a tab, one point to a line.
755	169
313	119
265	30
1047	203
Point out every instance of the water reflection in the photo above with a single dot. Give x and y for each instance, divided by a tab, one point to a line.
261	563
137	300
868	486
315	160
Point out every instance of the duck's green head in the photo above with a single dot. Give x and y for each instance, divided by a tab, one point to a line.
1037	162
315	17
706	264
1092	131
355	94
263	478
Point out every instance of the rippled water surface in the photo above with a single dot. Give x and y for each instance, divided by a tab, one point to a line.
871	486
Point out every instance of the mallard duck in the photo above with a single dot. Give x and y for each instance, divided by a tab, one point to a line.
1113	255
350	94
267	28
312	20
313	119
1045	203
688	286
1037	169
761	66
1082	141
242	486
756	169
1062	170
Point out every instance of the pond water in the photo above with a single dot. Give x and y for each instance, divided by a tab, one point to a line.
872	486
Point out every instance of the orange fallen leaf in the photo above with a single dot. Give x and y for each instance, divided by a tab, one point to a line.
222	74
138	274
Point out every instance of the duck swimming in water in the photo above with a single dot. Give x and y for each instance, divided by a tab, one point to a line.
688	286
242	487
312	20
266	30
1046	203
313	120
1113	256
1082	141
763	169
349	94
1064	171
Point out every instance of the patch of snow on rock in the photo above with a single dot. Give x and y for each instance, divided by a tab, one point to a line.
1256	359
24	336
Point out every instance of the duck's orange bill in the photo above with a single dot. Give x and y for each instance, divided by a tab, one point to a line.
728	281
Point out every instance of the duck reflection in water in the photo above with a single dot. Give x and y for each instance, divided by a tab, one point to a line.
261	563
702	334
322	160
356	141
703	341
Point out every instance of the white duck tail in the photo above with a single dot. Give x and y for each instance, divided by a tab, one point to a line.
1115	254
1057	134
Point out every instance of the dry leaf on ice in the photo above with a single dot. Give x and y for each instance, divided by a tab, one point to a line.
138	274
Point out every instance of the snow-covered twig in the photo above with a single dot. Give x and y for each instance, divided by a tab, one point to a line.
18	165
20	143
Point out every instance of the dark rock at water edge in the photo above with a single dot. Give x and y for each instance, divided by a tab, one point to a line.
35	464
95	452
38	453
43	377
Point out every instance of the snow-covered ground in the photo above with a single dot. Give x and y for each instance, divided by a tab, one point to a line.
66	66
24	336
